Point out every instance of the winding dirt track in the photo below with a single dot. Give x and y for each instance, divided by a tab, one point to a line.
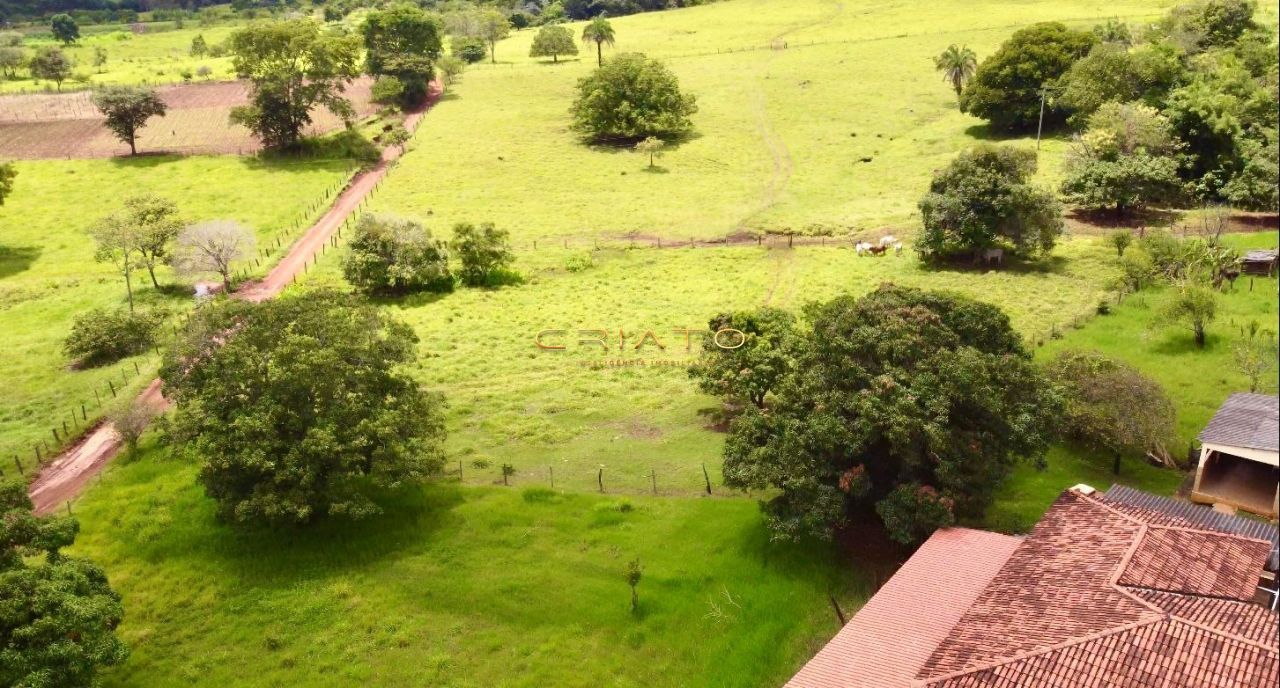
65	476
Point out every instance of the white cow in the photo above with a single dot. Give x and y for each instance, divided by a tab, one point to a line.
993	255
888	240
897	248
862	247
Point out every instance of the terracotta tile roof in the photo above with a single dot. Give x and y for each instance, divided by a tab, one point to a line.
889	639
1055	588
1094	597
1243	619
1196	562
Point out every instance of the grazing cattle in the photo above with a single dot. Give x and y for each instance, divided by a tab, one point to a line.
888	240
993	255
897	248
862	247
878	250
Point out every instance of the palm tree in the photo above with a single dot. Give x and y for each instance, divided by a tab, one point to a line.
957	64
600	31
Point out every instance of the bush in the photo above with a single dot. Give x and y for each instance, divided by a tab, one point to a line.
102	336
485	253
390	255
630	98
469	49
387	90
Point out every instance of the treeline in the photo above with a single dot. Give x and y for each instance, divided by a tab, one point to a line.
1180	111
105	11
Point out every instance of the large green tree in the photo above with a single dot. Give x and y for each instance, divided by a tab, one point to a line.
631	98
403	42
58	613
1114	72
893	392
294	66
984	199
127	109
1111	406
1006	89
64	28
553	40
298	408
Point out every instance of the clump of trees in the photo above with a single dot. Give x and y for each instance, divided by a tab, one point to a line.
1006	88
127	109
1125	161
983	200
1208	70
243	372
7	174
553	40
293	66
629	98
403	43
1110	406
477	26
912	402
389	255
101	336
60	614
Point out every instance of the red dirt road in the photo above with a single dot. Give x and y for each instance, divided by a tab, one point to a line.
64	477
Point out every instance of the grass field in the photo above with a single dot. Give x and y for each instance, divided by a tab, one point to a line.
461	587
780	134
159	57
552	412
470	583
48	275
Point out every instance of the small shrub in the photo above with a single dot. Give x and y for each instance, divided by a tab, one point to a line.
579	263
540	495
102	336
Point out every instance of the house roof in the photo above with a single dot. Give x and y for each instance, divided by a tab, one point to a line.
1246	420
1178	512
1095	596
893	634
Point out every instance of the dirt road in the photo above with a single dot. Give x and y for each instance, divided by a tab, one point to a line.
65	476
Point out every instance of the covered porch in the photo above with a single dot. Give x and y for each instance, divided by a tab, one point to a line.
1241	482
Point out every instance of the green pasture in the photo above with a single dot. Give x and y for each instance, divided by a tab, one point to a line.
459	587
781	134
158	57
570	414
48	274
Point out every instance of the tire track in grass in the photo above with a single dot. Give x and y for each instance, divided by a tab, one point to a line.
65	476
780	155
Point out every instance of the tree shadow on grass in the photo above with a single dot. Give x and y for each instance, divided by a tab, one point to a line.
1149	217
1178	340
628	145
283	556
1049	265
16	259
862	547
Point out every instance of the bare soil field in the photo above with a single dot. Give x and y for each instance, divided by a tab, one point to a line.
66	125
